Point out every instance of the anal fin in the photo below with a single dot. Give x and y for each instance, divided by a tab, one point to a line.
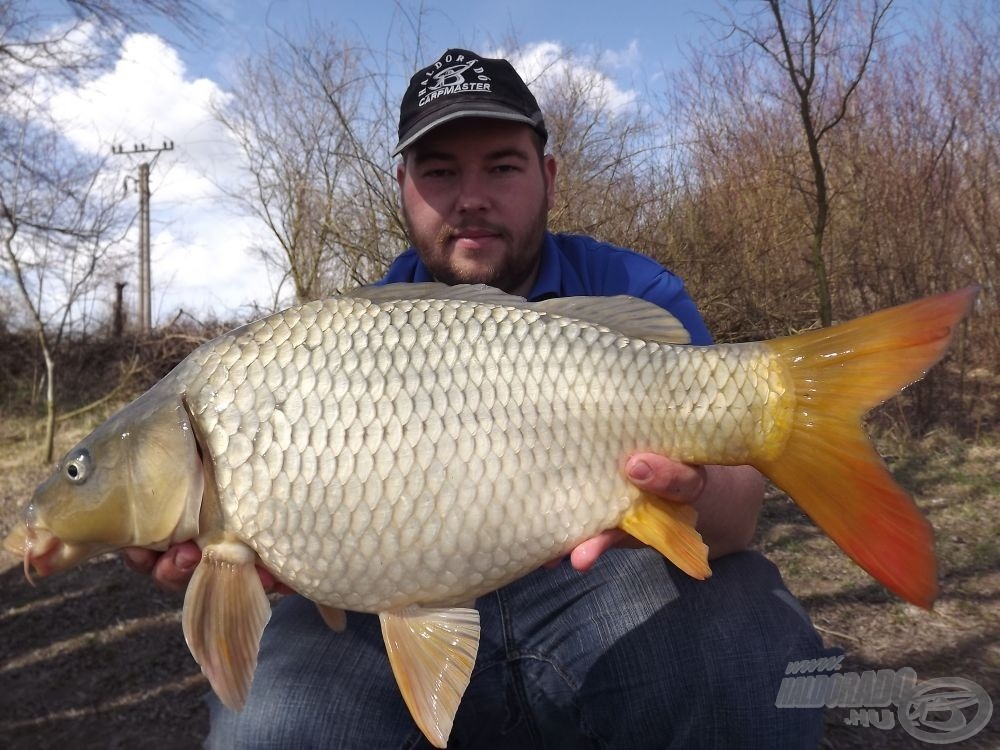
335	618
669	528
225	611
432	652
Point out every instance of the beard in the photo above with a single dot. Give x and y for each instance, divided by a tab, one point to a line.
518	262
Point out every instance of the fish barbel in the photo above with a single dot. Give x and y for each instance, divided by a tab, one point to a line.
404	449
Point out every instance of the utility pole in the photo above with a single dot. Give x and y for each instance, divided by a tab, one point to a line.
145	278
119	324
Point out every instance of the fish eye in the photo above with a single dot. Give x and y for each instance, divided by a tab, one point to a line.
78	468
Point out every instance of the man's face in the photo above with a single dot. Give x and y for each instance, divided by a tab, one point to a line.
475	199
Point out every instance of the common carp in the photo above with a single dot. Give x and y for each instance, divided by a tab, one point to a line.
404	449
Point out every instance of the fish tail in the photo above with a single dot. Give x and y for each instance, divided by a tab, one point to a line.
828	465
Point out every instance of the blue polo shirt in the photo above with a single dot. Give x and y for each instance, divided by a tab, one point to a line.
574	265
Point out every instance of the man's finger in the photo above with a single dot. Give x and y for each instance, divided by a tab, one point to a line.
139	559
671	480
175	567
271	584
585	554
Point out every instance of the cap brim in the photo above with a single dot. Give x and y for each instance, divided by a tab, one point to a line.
464	111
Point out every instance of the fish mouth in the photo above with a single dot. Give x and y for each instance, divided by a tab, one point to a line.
39	549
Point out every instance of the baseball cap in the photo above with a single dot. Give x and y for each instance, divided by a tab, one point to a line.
463	84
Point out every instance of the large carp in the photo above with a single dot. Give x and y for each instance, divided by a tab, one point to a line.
404	449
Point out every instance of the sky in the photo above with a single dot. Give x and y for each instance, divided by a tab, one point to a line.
162	85
659	27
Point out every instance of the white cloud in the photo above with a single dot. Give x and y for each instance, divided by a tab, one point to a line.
550	64
207	271
626	59
200	249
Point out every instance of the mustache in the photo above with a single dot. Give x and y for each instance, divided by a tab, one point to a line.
448	231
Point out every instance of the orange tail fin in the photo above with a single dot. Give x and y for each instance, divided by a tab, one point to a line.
828	465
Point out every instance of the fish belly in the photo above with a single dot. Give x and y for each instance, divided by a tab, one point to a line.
429	451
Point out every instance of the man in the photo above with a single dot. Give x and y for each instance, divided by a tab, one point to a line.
631	654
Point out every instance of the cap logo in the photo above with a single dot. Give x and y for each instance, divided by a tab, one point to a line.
453	74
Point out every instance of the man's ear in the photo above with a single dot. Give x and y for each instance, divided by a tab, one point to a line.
401	172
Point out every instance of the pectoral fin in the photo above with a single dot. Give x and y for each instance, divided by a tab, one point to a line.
669	528
225	611
432	653
335	619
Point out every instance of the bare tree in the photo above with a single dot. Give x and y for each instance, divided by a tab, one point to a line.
58	224
823	71
292	143
611	167
735	225
910	173
80	35
318	164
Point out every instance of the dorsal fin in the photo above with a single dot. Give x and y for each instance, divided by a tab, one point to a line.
630	316
480	293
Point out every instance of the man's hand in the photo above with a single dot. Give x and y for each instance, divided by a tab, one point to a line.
727	499
172	570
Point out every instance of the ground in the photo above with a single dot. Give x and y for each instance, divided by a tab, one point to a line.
94	658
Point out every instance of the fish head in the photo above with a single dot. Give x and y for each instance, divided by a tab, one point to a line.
136	480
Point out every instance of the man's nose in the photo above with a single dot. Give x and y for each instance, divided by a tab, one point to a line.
473	195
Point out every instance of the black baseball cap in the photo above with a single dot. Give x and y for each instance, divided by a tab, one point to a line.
463	84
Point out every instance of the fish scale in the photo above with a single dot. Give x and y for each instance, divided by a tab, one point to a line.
372	451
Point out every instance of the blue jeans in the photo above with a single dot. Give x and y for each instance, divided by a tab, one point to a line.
633	654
